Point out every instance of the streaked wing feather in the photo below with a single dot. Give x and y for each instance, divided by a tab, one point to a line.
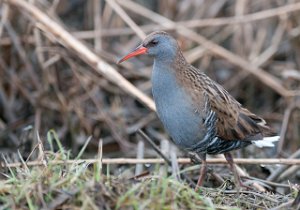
233	121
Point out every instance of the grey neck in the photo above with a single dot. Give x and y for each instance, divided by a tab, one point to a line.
164	60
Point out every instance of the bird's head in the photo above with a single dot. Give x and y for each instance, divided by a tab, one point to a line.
158	44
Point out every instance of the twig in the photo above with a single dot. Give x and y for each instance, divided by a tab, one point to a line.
141	123
274	184
153	145
244	18
70	42
288	173
296	201
105	116
279	170
97	25
139	155
283	206
4	16
165	158
253	193
100	157
208	22
274	12
284	127
259	60
243	172
175	167
262	75
119	10
165	149
286	9
159	161
37	126
22	53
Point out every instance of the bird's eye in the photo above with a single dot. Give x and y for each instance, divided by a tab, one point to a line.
153	42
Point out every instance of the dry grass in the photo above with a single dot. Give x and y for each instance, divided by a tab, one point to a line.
91	186
80	185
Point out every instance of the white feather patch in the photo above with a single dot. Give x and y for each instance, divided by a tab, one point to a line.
266	142
263	122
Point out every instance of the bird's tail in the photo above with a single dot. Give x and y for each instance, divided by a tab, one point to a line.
266	142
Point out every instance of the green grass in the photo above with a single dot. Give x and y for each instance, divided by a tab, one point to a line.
74	186
79	185
83	186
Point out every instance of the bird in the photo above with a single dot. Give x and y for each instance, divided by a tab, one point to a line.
200	116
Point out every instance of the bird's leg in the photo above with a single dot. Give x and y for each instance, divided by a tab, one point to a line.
202	172
194	158
237	178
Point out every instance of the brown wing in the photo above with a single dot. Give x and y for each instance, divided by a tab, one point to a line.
233	121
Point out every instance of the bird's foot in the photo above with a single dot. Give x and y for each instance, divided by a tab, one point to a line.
243	186
194	158
238	185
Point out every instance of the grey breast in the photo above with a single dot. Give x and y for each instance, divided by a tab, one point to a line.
175	109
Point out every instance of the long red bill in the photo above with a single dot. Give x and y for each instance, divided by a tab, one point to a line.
138	51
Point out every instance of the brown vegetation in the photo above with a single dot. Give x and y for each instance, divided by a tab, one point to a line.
58	71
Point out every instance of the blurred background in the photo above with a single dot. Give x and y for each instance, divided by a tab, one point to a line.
45	85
